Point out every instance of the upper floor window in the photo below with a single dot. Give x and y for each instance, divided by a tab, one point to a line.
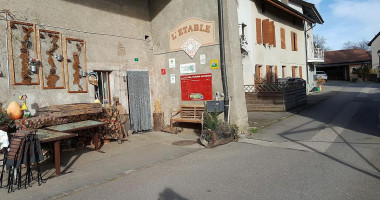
294	41
283	41
265	32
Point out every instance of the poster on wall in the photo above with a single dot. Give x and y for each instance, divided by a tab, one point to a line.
202	59
171	62
187	68
172	78
196	87
214	64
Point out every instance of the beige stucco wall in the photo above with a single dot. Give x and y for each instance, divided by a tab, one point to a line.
115	32
164	19
107	20
375	46
269	55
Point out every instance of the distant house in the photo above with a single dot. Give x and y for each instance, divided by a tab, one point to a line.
375	51
277	40
340	64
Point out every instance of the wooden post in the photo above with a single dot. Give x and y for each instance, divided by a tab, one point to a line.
57	158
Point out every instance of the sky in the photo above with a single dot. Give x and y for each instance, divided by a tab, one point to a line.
347	20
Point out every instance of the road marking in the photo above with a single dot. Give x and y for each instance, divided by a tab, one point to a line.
284	145
364	92
325	137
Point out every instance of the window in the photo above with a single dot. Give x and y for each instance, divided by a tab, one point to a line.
283	71
271	74
103	89
283	44
294	71
294	41
257	74
258	31
300	72
265	32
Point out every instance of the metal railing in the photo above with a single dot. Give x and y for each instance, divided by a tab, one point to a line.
316	54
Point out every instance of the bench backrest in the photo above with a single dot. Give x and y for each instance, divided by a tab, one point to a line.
71	109
192	111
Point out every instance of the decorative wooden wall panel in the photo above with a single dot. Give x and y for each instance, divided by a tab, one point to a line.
22	47
52	71
75	61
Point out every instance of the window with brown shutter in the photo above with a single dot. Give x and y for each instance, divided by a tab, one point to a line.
258	31
266	32
272	32
293	71
275	74
283	44
300	71
269	74
294	41
283	71
257	74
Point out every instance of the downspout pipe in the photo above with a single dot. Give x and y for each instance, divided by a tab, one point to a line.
223	60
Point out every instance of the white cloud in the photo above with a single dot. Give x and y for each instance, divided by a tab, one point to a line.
362	11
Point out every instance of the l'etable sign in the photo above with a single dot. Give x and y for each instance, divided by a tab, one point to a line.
200	30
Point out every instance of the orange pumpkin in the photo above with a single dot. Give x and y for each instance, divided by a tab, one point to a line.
14	110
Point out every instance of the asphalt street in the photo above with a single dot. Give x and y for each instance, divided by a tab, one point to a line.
329	151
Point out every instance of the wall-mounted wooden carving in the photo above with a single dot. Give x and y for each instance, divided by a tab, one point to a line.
75	61
22	48
52	70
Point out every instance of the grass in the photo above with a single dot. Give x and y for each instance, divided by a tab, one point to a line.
253	130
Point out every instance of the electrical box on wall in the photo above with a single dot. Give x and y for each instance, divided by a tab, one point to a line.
196	87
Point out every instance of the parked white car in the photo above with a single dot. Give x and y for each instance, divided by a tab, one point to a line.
322	74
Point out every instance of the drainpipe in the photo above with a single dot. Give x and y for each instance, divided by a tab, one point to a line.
223	60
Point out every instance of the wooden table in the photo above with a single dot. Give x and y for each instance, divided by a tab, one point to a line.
54	136
76	126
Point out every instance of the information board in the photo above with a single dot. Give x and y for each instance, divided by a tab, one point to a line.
196	87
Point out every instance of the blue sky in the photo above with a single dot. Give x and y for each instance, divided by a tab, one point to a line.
347	20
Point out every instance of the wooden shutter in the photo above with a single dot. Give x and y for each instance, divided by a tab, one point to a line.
257	74
295	42
269	75
292	40
293	71
275	74
283	71
266	31
258	31
283	44
272	32
300	71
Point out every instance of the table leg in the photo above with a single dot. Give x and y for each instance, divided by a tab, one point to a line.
96	140
57	158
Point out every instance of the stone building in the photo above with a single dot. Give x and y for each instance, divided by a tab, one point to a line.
98	48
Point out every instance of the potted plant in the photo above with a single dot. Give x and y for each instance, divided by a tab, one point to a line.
320	82
6	120
216	132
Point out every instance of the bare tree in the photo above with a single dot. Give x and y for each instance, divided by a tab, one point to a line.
357	45
320	42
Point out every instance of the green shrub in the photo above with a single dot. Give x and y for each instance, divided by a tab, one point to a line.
5	118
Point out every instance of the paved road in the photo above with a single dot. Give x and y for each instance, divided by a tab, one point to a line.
330	151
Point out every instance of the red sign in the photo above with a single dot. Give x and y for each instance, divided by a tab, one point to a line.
163	71
196	87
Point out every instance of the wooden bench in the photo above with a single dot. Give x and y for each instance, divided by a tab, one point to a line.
188	114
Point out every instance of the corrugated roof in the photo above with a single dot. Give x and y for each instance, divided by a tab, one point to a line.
346	56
